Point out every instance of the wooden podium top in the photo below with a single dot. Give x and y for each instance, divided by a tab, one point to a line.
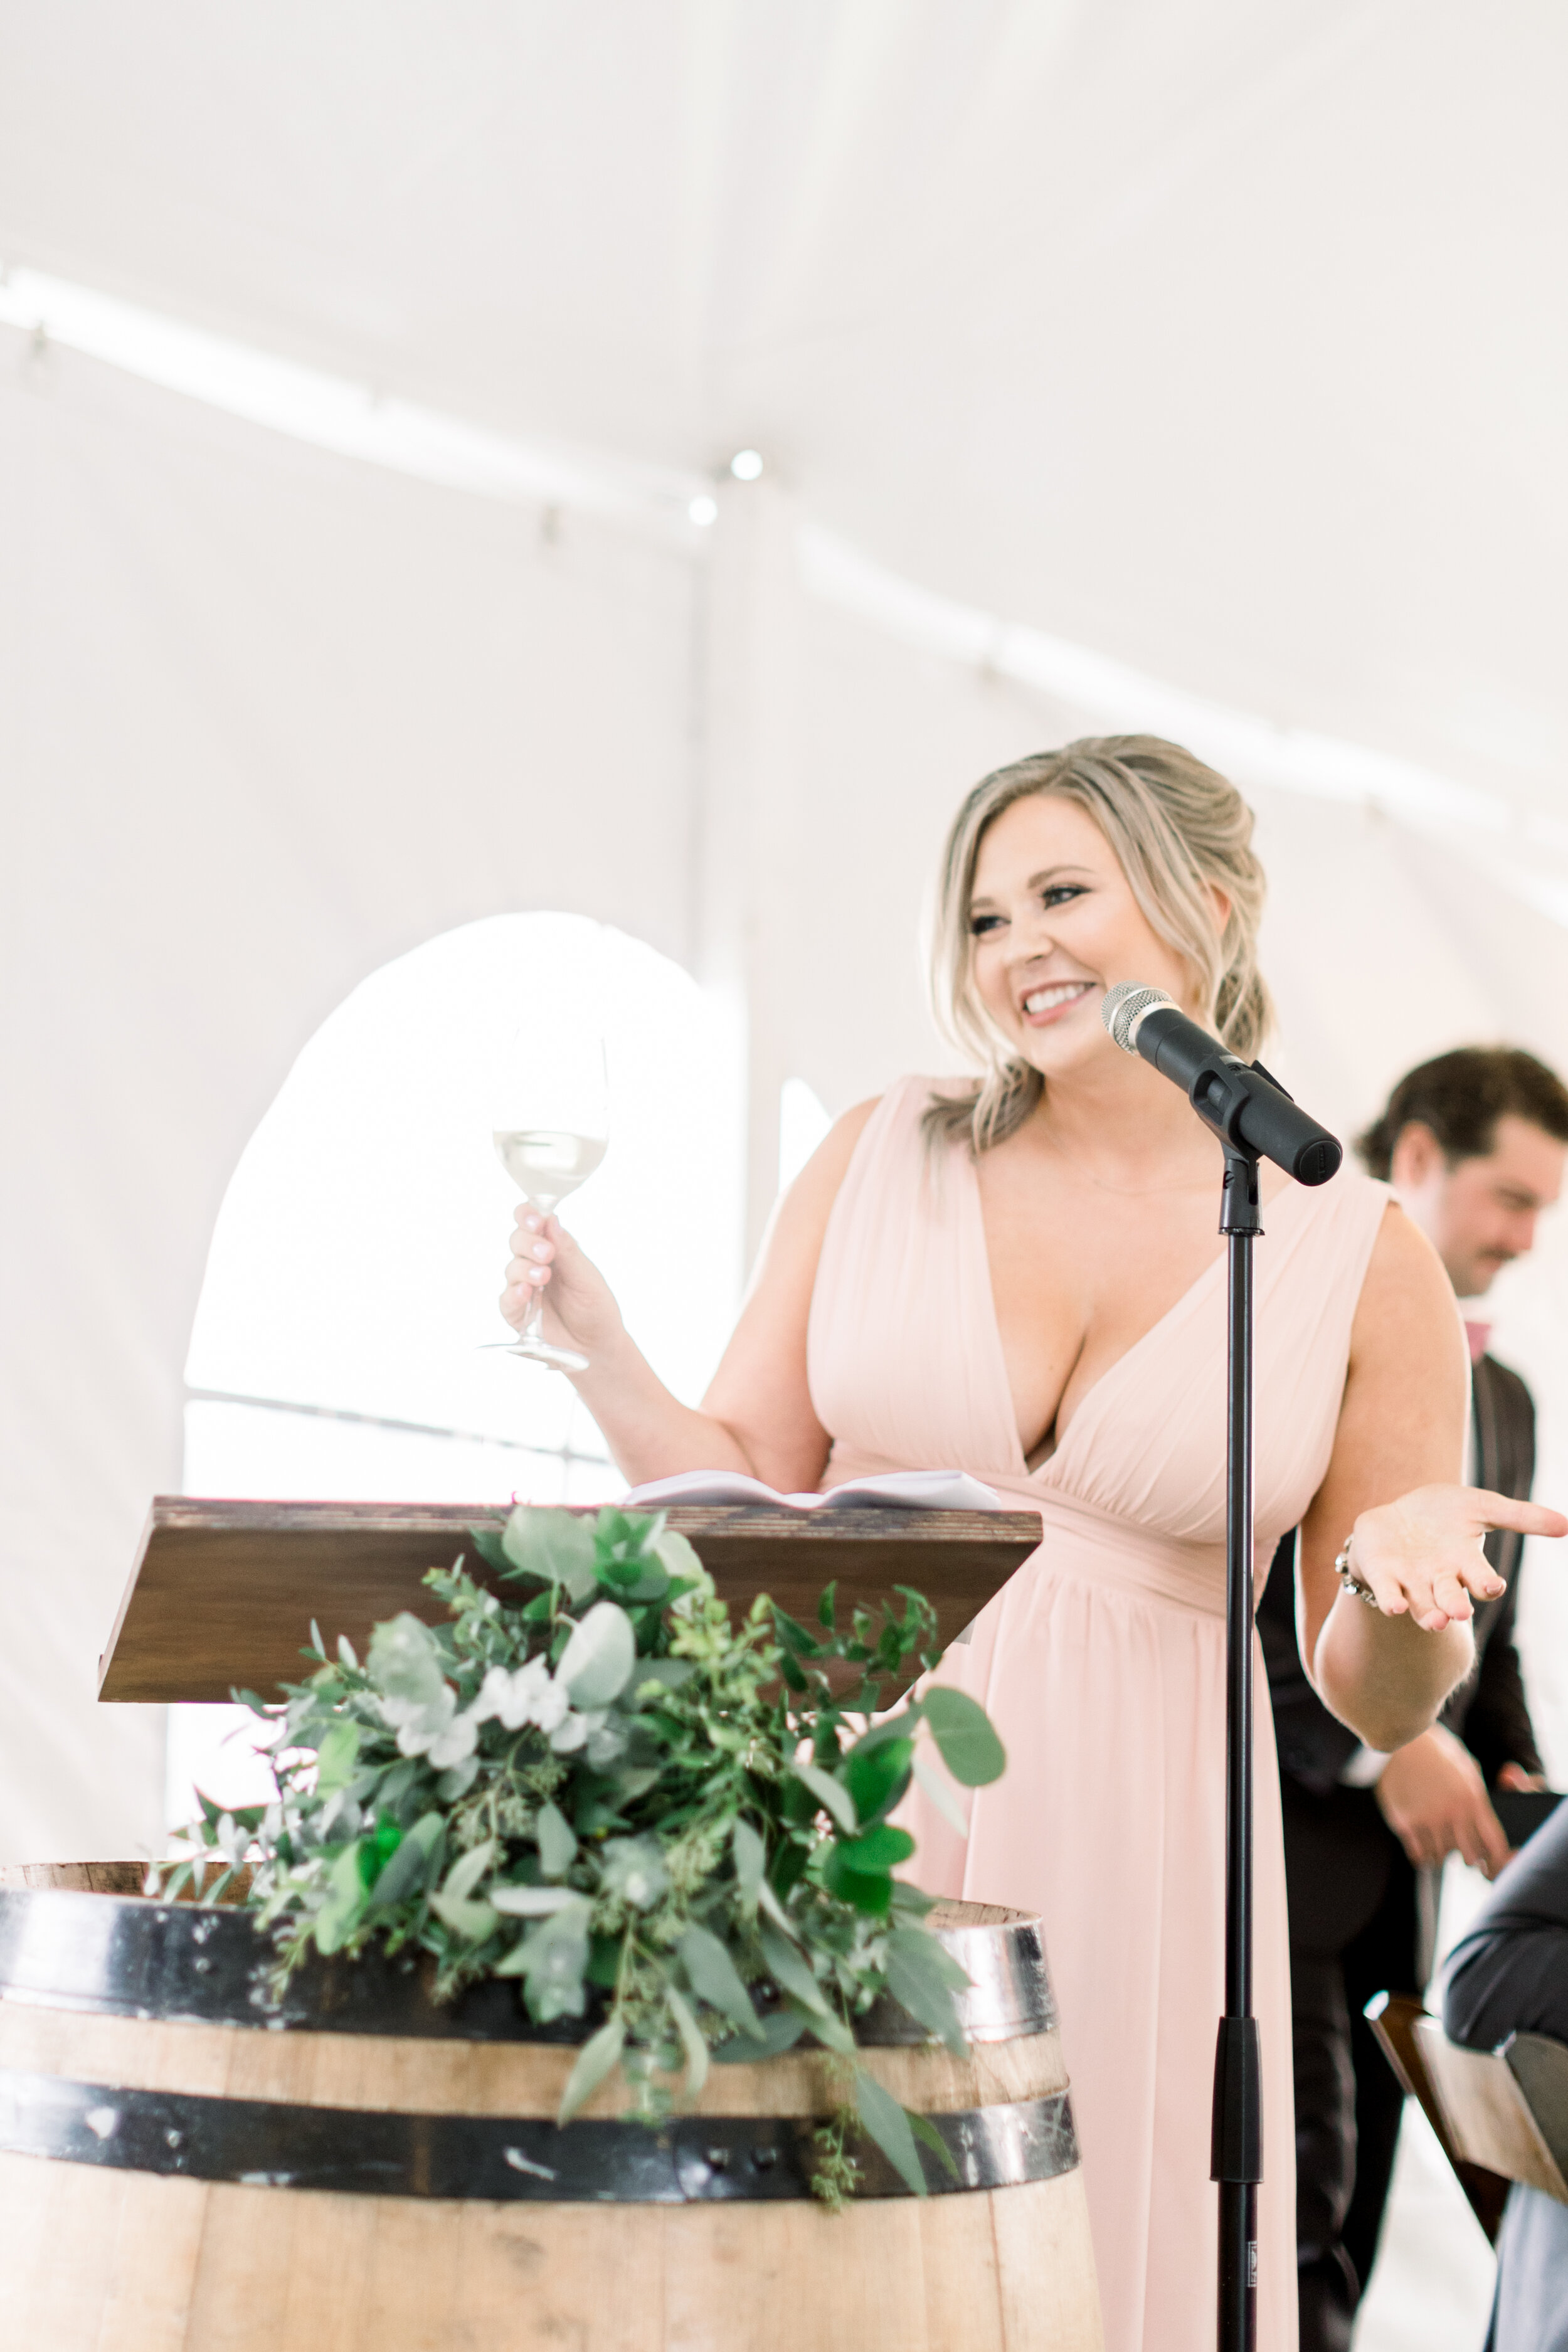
222	1594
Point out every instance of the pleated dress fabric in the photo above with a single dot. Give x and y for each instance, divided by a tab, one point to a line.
1102	1664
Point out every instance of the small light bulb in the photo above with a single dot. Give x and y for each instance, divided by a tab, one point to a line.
702	511
746	465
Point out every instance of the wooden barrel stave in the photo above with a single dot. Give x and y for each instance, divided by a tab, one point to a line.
526	2079
94	2256
97	2260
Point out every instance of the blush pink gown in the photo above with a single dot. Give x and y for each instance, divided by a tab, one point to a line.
1102	1664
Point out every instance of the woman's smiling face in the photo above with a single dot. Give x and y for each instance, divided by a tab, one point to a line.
1055	924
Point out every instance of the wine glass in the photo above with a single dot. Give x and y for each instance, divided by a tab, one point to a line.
549	1119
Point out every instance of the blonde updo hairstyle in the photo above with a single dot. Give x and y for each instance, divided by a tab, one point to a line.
1177	830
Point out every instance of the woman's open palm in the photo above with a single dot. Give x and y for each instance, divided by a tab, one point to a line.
1422	1555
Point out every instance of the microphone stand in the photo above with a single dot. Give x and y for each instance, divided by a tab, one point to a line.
1237	2159
1251	1114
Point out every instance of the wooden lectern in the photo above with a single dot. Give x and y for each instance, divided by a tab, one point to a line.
222	1594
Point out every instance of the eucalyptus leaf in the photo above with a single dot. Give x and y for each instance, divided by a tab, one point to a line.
532	1902
458	1781
597	1661
555	1961
598	2054
345	1899
877	1778
473	1921
557	1840
940	1793
926	2132
556	1547
626	1536
714	1976
405	1663
963	1731
870	1891
830	1794
770	1903
691	2042
899	1725
467	1869
886	2122
411	1865
640	1580
490	1545
780	2029
881	1847
909	1903
679	1557
750	1860
830	2031
923	1977
656	1677
792	1972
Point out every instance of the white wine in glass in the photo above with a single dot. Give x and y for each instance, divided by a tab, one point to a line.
546	1163
560	1084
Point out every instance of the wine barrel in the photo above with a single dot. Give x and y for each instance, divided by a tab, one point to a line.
187	2161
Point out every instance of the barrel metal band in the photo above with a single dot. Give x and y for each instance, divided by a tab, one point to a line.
692	2159
61	1948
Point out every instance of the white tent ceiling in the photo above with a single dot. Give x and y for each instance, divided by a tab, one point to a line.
1228	340
1114	363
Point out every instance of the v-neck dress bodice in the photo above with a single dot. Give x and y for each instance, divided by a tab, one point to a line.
1102	1664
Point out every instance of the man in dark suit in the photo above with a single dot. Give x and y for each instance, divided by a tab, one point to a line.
1509	1975
1473	1144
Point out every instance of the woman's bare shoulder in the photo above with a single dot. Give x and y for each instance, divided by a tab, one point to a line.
808	1202
1406	1299
800	1220
836	1151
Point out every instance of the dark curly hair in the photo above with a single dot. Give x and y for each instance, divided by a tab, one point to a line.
1461	1096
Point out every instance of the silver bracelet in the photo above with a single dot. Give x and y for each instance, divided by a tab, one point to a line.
1350	1582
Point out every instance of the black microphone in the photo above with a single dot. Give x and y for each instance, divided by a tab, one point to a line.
1238	1099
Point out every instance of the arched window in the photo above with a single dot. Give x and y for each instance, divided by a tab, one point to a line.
357	1260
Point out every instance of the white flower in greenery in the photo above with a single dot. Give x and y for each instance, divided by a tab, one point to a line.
435	1730
553	1708
529	1695
233	1843
459	1740
533	1695
634	1869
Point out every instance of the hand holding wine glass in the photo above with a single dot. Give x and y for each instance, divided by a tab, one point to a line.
551	1129
550	1279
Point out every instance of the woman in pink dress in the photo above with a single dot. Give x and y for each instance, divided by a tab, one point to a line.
1022	1279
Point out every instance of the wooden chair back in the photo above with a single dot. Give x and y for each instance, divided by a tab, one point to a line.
1393	2018
1506	2109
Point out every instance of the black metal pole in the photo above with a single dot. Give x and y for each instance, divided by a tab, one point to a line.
1237	2139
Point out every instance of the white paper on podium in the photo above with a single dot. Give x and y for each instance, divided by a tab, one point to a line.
901	1490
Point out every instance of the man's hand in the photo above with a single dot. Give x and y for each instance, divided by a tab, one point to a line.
1434	1799
1521	1782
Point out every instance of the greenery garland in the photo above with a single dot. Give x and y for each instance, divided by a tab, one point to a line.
639	1811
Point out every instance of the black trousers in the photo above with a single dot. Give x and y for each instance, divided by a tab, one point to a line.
1353	1933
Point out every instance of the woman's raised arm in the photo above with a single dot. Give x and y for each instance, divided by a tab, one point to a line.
1415	1535
757	1414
